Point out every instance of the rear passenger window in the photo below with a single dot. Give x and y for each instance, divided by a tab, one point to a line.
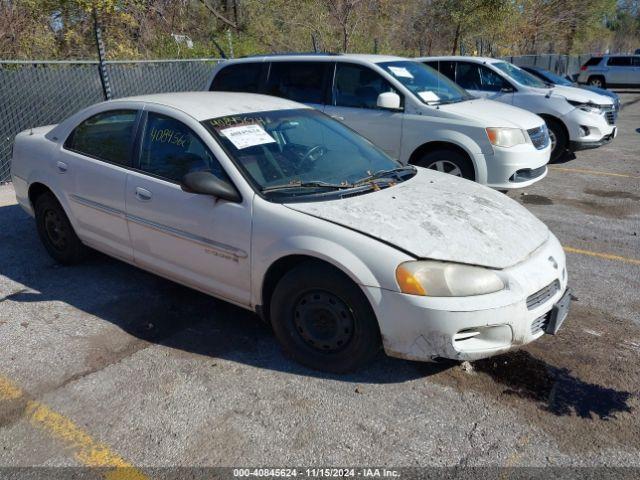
593	61
298	81
170	150
241	77
105	136
358	86
619	61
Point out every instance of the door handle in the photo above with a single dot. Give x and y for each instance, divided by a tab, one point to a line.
62	167
143	194
337	117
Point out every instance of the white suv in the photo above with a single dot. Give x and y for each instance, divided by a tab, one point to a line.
577	119
407	109
611	70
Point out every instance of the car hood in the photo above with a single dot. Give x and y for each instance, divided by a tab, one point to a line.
440	217
576	94
494	114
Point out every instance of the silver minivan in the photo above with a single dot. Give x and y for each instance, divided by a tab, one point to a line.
611	70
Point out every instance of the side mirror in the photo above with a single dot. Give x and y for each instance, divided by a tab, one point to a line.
388	101
206	183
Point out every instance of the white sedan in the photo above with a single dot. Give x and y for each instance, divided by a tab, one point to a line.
279	209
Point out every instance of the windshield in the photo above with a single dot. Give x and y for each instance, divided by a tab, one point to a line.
301	152
519	75
430	86
556	79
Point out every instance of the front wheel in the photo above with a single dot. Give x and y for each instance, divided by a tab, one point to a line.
448	161
323	319
558	137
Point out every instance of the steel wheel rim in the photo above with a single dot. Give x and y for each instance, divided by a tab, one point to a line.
554	139
446	166
55	230
323	321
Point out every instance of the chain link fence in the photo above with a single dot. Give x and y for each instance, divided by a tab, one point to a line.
43	93
560	64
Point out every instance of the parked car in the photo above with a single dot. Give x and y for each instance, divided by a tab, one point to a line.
577	119
278	208
611	71
407	109
555	79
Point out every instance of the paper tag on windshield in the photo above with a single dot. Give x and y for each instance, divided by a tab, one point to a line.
429	96
246	136
401	72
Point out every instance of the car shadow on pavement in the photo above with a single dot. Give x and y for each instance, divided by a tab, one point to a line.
566	157
555	389
159	311
156	310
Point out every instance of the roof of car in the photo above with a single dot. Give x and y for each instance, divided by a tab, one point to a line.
461	57
205	105
365	58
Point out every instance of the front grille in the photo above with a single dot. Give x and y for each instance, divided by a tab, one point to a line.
539	136
542	295
540	323
611	115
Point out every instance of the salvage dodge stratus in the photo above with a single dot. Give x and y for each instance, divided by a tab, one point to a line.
280	209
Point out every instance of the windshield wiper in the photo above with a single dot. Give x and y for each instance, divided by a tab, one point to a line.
385	173
292	185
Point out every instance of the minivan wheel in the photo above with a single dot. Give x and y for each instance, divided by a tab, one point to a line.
323	320
55	231
448	161
558	137
597	81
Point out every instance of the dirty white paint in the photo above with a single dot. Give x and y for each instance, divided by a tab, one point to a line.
441	217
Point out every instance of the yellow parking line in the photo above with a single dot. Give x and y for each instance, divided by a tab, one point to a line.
606	256
85	449
592	172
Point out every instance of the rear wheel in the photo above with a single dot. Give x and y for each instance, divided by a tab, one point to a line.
558	137
597	81
323	320
55	231
448	161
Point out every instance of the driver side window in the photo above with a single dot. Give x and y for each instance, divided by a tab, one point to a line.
491	81
358	86
170	150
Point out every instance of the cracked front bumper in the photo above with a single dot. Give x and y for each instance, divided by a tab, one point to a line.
471	328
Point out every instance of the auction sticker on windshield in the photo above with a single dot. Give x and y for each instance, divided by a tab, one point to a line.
246	136
401	72
429	96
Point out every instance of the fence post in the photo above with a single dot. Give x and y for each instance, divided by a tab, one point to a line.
102	66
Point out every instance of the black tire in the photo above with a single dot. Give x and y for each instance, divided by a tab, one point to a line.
597	81
448	159
55	231
336	337
558	136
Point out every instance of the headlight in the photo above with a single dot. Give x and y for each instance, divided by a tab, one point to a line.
441	279
587	107
506	137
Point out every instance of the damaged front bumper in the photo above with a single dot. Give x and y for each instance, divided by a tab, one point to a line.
535	302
